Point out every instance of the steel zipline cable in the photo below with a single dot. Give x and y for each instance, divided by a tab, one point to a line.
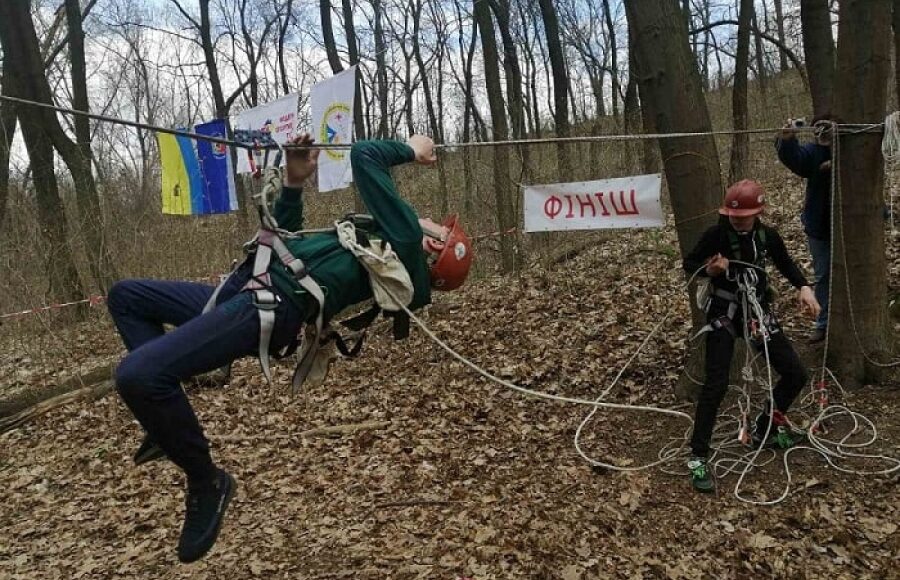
878	127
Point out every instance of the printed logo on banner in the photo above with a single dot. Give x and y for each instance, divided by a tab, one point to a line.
219	149
335	129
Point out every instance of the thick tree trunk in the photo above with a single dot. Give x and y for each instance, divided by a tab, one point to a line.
565	166
502	191
818	46
672	101
740	143
858	249
648	148
896	26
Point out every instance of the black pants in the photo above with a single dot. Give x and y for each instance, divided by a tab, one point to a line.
719	352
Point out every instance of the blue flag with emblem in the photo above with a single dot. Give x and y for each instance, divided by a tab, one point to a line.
219	194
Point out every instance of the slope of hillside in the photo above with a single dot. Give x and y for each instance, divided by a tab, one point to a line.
459	478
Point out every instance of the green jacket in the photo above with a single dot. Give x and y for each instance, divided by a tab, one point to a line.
344	281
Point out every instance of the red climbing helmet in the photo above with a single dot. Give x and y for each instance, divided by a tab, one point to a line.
454	256
744	198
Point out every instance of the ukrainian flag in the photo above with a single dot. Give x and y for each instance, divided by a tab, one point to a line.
182	182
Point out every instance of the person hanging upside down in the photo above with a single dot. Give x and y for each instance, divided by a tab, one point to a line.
741	236
262	307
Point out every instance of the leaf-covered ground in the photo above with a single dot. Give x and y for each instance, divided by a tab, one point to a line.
466	479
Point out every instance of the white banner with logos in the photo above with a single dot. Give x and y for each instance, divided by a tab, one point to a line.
274	122
625	202
331	104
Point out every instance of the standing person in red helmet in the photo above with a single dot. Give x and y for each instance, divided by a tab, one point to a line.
740	236
291	280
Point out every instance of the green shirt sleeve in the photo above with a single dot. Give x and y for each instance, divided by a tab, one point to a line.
288	210
371	161
394	218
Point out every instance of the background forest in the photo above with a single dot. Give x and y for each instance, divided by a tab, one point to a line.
455	478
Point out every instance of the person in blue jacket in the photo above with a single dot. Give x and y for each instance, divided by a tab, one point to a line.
436	256
812	161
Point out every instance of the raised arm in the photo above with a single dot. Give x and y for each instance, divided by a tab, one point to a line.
371	162
299	166
798	158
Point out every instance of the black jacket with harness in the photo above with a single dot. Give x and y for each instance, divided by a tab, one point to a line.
756	247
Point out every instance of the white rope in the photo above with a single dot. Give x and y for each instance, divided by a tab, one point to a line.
890	149
890	144
729	461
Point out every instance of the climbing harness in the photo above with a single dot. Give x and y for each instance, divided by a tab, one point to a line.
384	268
745	276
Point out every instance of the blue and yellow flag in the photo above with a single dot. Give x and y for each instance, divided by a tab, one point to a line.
197	180
182	182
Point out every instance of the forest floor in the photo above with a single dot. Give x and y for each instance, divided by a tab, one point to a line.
462	478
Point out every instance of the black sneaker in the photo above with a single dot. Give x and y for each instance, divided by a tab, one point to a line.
204	510
148	451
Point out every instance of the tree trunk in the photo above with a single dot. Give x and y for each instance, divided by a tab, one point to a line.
8	122
779	27
614	58
506	219
761	73
381	69
560	85
353	53
648	148
436	133
331	50
896	26
78	158
282	33
740	143
24	78
818	47
858	250
672	101
513	84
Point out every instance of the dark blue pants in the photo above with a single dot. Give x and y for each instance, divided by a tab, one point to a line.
149	377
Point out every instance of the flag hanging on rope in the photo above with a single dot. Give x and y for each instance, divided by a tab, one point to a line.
196	180
182	182
215	166
274	122
331	104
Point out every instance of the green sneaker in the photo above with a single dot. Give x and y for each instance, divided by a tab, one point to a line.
700	477
781	435
783	438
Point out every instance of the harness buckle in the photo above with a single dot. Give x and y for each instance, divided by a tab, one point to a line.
266	299
298	269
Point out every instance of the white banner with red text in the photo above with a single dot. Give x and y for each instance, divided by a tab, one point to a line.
624	202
